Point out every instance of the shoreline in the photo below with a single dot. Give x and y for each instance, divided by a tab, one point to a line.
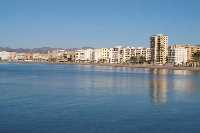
143	66
149	66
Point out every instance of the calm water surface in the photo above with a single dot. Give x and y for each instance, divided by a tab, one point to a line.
40	98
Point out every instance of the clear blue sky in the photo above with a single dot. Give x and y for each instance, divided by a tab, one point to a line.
96	23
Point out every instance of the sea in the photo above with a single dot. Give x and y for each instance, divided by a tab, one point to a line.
58	98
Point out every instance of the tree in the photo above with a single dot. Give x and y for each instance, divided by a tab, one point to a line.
196	58
133	59
142	59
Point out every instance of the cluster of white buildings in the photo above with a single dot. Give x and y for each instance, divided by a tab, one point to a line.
158	53
112	55
4	55
28	57
177	54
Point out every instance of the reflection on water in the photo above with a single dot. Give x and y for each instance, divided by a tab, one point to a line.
90	99
161	81
158	86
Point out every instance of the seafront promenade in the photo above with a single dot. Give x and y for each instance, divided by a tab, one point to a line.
150	66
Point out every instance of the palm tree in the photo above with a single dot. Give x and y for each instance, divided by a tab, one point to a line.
196	57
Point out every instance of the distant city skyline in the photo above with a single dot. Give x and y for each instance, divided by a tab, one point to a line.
105	23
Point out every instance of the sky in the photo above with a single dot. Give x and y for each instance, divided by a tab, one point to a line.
96	23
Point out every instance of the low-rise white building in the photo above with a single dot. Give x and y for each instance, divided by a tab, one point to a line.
85	55
105	55
4	55
125	54
114	55
146	52
101	55
98	55
20	56
177	55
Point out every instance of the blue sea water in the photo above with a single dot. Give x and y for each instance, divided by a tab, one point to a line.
41	98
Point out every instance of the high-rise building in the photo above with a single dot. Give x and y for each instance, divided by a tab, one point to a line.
159	46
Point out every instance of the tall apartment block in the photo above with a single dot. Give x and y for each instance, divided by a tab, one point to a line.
159	47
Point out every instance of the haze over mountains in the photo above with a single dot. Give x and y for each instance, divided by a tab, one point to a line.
33	50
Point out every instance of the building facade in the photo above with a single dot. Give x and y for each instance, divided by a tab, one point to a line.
85	55
191	49
177	55
98	55
114	55
4	55
159	47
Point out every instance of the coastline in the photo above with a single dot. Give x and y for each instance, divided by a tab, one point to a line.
149	66
142	66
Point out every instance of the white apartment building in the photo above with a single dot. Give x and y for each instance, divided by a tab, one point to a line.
4	55
85	55
114	55
125	54
98	55
101	55
177	55
20	56
79	55
111	55
146	52
140	51
105	54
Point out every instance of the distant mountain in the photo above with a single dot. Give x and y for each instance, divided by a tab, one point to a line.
86	47
33	50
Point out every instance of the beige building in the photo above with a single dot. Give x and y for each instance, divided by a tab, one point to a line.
12	56
191	49
39	57
29	57
20	56
69	56
159	47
